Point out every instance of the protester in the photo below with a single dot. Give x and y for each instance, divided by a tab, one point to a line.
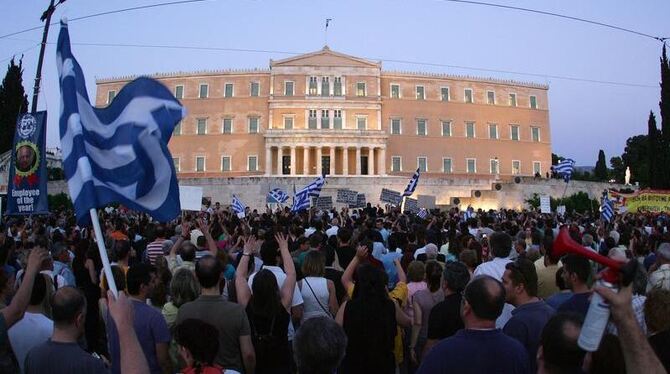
198	345
318	293
657	317
659	273
558	352
424	301
319	346
577	275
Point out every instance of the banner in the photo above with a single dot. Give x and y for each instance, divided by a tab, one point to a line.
411	205
27	184
323	202
346	196
360	202
190	198
390	196
545	204
641	201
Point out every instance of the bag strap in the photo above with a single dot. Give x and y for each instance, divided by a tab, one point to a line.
317	298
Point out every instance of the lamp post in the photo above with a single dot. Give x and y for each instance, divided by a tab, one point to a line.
46	17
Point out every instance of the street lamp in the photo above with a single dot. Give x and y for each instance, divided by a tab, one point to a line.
46	17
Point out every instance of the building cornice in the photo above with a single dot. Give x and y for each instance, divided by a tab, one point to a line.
182	74
414	74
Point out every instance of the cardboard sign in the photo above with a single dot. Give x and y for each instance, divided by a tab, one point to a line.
426	201
560	210
346	196
545	204
190	197
324	202
411	205
360	202
390	196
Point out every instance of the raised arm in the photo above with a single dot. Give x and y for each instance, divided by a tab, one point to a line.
416	329
348	275
401	273
288	287
211	244
241	283
17	307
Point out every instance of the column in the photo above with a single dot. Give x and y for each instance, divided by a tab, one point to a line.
280	153
382	161
319	170
293	163
268	161
358	160
345	160
371	161
332	160
305	159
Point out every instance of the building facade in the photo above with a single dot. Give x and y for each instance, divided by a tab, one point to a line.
330	113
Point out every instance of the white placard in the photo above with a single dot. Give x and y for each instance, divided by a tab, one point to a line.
560	210
190	198
545	204
426	201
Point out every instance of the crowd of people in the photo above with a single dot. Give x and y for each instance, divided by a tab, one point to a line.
367	290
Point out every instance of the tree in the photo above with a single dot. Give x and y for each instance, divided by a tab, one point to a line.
13	101
635	156
664	143
618	169
654	176
555	159
600	171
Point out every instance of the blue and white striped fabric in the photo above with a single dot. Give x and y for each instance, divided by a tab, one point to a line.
565	168
301	199
423	213
607	210
276	195
469	213
118	153
411	186
237	206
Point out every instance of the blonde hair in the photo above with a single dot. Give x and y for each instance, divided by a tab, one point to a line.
416	271
314	264
184	287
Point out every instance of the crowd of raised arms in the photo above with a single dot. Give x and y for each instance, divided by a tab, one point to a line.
342	291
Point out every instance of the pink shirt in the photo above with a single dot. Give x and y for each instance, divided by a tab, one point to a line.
413	287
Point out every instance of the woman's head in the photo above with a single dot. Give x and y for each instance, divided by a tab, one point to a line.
265	299
370	283
416	271
433	275
184	287
314	264
198	342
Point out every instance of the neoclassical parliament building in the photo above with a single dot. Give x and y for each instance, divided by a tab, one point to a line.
330	113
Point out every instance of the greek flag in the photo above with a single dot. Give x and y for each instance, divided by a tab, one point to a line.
565	168
607	210
238	207
469	213
276	195
411	186
118	153
301	200
423	213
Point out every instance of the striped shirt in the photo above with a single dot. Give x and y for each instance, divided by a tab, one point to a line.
155	250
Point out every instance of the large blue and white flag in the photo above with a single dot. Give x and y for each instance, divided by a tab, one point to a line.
277	196
238	207
607	210
118	153
301	200
565	168
411	186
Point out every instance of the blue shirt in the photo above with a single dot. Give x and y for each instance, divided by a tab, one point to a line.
477	351
578	303
557	299
526	326
64	271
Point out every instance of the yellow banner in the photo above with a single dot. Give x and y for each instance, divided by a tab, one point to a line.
643	201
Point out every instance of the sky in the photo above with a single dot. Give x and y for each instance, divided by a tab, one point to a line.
436	35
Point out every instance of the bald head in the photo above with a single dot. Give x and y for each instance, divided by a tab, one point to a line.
208	271
486	297
67	303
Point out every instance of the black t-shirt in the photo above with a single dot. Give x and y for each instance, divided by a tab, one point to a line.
345	255
55	357
270	339
445	318
660	343
371	335
336	276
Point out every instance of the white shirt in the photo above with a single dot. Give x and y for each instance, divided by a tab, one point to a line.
32	330
332	231
309	231
419	251
496	268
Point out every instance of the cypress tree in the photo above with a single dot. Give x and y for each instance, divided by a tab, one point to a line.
655	177
664	104
13	101
600	171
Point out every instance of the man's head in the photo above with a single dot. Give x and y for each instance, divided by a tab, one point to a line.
187	251
576	271
141	279
316	240
520	246
60	252
122	250
319	346
335	222
520	281
657	310
270	252
68	309
483	301
501	244
455	277
558	351
303	244
209	272
343	236
663	253
25	157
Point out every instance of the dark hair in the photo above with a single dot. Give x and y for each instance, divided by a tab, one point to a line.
577	265
122	249
456	275
560	282
269	252
138	275
201	339
187	251
319	346
66	303
208	271
265	299
559	344
501	244
39	290
522	271
159	232
316	240
370	284
433	275
481	294
344	235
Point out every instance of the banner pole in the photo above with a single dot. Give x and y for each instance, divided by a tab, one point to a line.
103	252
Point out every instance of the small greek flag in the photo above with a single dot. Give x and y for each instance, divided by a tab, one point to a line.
565	168
469	213
238	207
423	213
607	210
301	200
276	195
411	186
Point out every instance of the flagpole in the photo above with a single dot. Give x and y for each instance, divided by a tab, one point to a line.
103	252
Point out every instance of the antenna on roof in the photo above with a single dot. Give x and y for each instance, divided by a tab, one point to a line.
326	32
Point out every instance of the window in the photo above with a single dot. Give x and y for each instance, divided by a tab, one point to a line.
253	125
227	126
514	132
313	82
204	91
288	88
533	102
175	162
512	99
396	163
255	89
421	129
471	165
444	93
225	163
535	131
495	166
288	123
490	97
201	126
337	119
395	126
110	96
325	119
446	165
311	121
179	92
362	123
337	86
446	128
469	129
537	167
360	89
493	131
422	164
516	167
252	163
468	96
395	91
177	129
228	90
420	93
325	86
200	163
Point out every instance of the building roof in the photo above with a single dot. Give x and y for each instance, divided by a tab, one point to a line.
325	57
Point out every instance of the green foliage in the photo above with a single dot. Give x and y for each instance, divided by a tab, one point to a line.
618	171
13	101
636	156
59	201
579	202
600	172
